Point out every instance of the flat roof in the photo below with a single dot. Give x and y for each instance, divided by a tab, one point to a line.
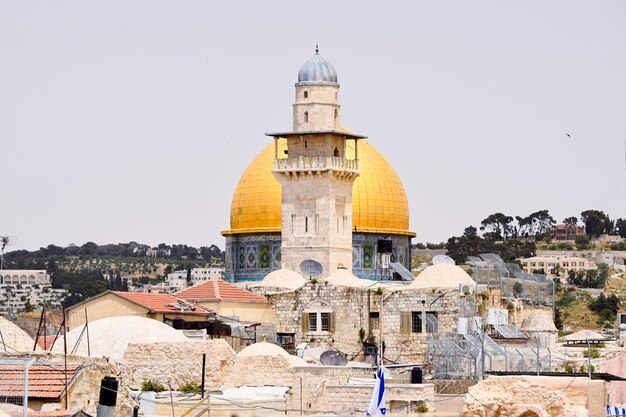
317	132
594	375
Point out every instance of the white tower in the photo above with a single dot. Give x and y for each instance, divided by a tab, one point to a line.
316	176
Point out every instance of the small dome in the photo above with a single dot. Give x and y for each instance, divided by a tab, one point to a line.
442	276
317	71
268	349
282	278
345	278
110	336
539	321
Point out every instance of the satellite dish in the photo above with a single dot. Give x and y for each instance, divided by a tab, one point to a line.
311	267
443	260
333	358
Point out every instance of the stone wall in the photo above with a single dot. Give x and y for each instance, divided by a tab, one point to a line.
177	362
342	399
542	396
271	370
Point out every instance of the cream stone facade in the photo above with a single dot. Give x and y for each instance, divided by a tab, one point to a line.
346	318
316	107
155	361
536	396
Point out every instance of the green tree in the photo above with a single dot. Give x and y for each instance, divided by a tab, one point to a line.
518	289
498	224
595	222
571	220
582	242
620	227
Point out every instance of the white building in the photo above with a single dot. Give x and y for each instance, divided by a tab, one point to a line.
24	277
177	280
548	263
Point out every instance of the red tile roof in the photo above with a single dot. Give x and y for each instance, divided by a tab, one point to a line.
219	290
163	303
44	381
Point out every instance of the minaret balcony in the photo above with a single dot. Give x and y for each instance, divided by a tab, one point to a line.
316	163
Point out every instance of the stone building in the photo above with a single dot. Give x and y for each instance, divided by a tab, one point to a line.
317	187
345	313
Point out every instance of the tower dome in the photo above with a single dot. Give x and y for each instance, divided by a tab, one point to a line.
317	71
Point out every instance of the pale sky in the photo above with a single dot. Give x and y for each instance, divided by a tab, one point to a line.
133	120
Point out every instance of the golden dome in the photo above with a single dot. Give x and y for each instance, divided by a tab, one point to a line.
379	203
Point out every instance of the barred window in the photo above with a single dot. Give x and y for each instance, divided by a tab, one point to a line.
416	322
313	322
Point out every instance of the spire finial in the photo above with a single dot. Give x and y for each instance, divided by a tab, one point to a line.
317	49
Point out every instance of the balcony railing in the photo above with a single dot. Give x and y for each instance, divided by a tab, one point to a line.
316	163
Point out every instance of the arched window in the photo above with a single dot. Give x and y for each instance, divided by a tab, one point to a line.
306	225
336	152
306	117
306	94
336	118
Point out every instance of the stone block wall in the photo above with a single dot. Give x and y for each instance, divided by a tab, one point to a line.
351	308
177	362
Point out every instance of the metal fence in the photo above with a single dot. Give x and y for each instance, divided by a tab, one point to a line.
490	271
14	387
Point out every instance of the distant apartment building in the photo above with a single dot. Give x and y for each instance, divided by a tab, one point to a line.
177	280
548	263
24	277
567	231
21	286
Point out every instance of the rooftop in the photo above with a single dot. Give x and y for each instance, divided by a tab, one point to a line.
163	303
44	380
219	290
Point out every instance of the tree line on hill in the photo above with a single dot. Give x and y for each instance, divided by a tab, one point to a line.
38	259
514	237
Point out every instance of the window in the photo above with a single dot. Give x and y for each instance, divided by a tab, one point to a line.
313	322
317	224
374	320
293	223
416	322
325	320
306	94
306	117
305	144
306	225
318	321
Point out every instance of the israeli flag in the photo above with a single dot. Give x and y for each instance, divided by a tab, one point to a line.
615	411
377	404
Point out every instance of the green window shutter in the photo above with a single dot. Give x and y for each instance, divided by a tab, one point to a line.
405	322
